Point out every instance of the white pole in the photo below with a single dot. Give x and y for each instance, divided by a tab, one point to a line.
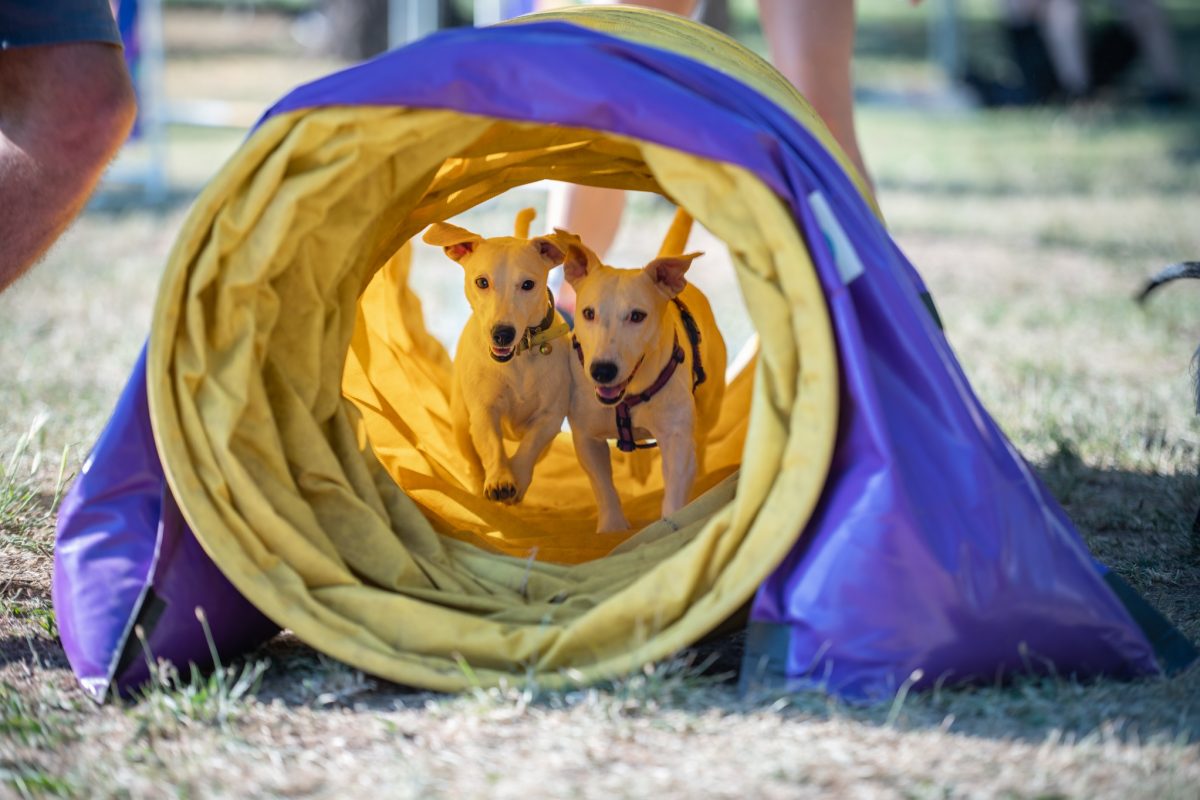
943	38
409	20
488	12
150	83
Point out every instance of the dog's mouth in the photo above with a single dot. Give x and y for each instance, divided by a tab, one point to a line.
503	354
611	394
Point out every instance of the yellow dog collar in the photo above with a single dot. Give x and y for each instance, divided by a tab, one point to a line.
541	336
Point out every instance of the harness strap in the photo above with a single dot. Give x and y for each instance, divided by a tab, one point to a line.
625	441
693	334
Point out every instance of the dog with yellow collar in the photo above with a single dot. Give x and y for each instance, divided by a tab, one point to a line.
511	370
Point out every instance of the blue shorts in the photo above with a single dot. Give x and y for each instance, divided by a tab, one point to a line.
32	22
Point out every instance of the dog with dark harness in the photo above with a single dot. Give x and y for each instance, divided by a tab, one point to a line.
649	365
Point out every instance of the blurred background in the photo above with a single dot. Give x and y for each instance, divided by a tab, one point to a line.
207	68
979	118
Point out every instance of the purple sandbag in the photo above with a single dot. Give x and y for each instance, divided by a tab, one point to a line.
107	538
123	555
186	579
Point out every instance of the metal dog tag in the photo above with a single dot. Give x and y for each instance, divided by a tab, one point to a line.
545	348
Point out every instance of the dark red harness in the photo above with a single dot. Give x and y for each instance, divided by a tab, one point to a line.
625	440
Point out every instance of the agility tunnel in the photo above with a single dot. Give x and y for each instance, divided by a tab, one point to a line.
282	458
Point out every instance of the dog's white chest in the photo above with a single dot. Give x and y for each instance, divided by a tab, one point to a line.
519	391
535	382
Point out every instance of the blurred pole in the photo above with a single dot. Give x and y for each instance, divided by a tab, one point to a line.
358	29
944	47
152	97
489	12
409	20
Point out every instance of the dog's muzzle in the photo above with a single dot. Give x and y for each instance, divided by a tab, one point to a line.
611	395
503	346
603	372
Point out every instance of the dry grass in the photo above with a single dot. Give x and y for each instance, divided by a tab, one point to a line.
1033	230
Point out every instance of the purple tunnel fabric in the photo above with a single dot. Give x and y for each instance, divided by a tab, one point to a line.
124	556
934	547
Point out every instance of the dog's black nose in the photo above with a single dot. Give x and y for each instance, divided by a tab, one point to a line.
603	371
503	335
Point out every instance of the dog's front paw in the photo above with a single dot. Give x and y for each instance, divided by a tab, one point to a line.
522	484
612	523
502	490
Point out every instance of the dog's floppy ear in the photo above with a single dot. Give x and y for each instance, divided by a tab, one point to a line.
575	264
549	250
667	272
576	258
457	242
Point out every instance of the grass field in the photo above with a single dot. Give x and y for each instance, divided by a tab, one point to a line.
1033	230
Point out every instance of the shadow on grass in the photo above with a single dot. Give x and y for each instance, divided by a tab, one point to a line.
1140	525
1033	710
1158	508
34	651
301	676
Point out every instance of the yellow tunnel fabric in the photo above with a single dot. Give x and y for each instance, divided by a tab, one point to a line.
345	520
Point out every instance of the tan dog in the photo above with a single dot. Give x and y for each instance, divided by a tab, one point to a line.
511	373
650	363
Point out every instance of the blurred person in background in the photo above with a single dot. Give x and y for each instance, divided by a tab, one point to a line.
66	107
1059	57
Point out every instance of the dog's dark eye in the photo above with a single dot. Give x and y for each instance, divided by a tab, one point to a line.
482	283
589	314
637	316
527	285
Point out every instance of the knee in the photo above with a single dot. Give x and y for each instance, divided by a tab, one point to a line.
116	105
96	126
80	106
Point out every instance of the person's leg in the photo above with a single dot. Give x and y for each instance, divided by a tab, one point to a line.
65	109
1153	34
812	44
1063	27
592	213
1036	75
